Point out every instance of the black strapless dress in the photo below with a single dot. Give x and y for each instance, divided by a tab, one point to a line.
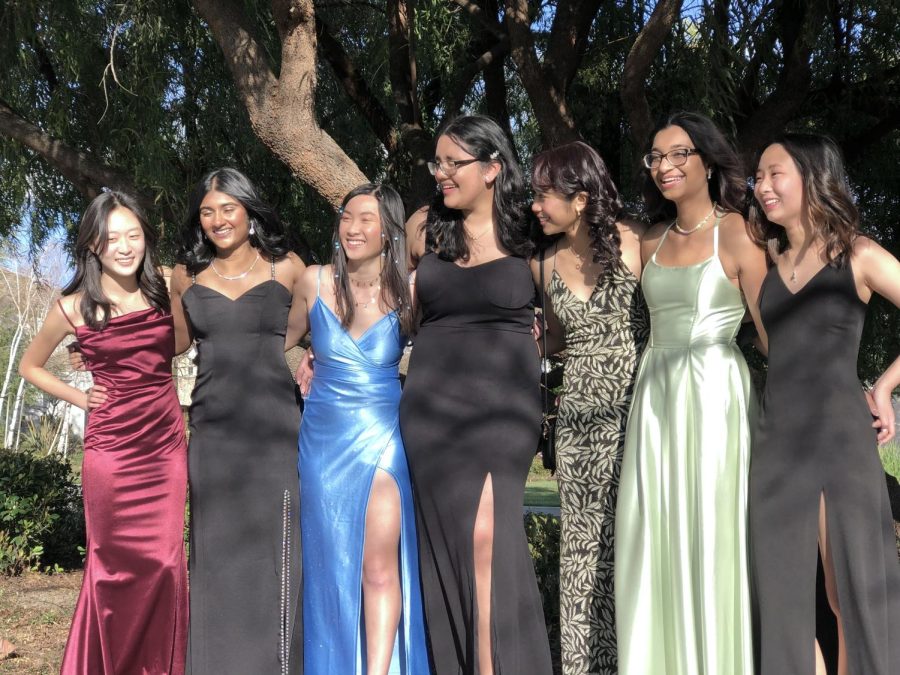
471	408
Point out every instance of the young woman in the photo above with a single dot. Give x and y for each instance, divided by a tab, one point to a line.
357	520
596	311
816	476
237	295
681	578
131	615
470	412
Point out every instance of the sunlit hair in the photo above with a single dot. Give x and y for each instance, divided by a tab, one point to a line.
728	184
483	138
394	283
830	207
577	167
92	242
197	251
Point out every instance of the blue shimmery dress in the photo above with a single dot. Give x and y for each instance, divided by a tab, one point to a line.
350	428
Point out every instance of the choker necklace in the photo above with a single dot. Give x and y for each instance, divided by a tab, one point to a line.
371	300
698	225
364	283
226	277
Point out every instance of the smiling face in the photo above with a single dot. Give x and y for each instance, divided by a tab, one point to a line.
224	220
359	229
779	186
555	212
470	183
678	182
122	254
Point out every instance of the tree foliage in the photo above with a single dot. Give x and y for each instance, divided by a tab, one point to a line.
309	97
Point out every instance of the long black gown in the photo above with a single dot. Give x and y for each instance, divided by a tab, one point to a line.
815	437
471	408
244	489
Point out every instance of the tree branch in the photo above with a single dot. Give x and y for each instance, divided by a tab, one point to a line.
86	172
637	67
549	104
282	110
356	87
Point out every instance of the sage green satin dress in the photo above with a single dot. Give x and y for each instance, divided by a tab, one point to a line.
681	565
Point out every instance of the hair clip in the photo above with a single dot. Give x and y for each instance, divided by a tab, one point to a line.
495	154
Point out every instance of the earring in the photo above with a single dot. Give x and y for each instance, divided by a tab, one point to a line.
252	227
708	174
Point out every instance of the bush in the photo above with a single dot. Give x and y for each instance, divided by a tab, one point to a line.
543	542
890	459
41	514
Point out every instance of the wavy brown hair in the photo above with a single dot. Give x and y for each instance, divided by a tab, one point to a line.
576	167
831	210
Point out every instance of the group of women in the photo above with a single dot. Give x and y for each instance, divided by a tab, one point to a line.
414	555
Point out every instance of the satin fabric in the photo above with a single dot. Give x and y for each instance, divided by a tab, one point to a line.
132	613
681	575
350	428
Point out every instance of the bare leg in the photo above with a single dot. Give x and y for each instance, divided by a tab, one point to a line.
484	553
381	573
831	585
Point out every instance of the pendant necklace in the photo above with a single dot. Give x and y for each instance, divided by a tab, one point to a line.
698	225
370	301
235	277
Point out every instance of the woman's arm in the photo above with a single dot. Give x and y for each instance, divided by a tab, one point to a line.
415	237
749	262
179	282
556	336
879	272
55	329
298	317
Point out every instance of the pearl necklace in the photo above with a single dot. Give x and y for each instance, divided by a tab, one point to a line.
236	276
698	225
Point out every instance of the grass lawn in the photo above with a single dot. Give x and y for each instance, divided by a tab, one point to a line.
540	488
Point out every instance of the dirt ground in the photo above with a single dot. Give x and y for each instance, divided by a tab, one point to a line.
35	610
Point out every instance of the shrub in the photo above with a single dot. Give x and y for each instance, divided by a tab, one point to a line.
890	458
543	542
41	514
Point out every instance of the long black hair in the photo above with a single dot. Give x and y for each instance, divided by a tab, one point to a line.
576	167
269	235
92	241
831	209
483	138
394	282
727	185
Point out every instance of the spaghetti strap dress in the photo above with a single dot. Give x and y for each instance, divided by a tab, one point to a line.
681	577
815	439
350	430
244	489
471	409
132	612
605	337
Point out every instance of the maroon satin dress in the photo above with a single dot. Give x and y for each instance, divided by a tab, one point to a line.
132	613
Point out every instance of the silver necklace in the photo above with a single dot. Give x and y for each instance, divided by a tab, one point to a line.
236	276
698	225
370	301
479	235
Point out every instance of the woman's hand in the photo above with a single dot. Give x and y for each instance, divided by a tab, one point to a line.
94	397
304	373
882	409
76	358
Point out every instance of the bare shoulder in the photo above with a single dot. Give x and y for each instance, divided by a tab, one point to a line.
631	231
180	279
651	237
866	249
735	235
293	262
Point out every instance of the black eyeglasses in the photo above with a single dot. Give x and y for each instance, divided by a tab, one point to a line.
449	166
677	157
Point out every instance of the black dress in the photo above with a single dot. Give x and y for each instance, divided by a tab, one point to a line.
815	436
244	489
471	408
